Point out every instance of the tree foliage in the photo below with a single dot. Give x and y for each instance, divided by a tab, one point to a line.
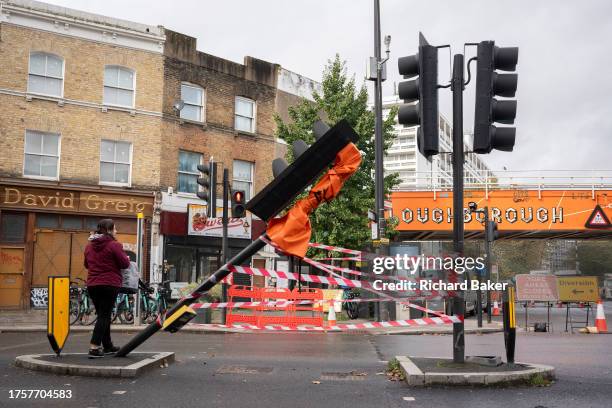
343	221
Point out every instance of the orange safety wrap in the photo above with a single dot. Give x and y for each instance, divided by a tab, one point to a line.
292	231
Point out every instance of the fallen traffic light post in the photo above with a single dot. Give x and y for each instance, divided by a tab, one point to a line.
290	232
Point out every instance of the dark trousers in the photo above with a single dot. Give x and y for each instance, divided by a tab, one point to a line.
103	298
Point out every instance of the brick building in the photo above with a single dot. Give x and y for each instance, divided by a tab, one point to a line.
101	117
226	112
80	138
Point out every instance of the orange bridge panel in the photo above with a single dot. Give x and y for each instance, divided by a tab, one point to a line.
513	210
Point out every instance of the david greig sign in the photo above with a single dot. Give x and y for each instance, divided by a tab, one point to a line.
512	210
31	198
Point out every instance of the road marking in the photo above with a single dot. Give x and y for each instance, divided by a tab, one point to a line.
408	398
119	392
29	344
24	345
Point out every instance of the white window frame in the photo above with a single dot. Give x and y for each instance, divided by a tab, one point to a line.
251	181
59	149
113	183
202	102
254	118
186	193
133	71
46	54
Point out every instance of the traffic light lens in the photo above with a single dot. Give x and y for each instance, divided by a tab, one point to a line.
408	115
505	58
504	111
408	66
409	90
505	84
502	138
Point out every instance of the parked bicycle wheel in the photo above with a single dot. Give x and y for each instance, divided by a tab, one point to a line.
75	306
126	316
152	311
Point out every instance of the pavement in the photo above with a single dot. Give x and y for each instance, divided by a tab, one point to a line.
336	370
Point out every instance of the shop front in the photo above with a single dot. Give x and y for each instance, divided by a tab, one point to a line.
192	242
44	231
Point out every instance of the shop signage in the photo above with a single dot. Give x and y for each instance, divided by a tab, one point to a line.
537	288
74	201
199	224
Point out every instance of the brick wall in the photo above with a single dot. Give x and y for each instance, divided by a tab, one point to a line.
81	127
222	81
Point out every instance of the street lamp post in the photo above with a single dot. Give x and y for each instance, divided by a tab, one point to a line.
379	176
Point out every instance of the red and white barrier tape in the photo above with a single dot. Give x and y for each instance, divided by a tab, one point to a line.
294	276
427	321
335	248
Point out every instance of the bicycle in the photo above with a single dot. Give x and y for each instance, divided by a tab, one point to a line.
123	309
156	304
81	306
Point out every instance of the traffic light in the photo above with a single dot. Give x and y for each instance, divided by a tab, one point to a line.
491	233
238	204
424	90
488	110
310	161
208	181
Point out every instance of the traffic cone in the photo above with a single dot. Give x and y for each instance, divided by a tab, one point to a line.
331	315
495	308
600	319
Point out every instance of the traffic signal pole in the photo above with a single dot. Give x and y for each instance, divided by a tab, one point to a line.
379	180
457	87
224	239
488	262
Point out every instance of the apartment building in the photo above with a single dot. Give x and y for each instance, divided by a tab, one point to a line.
80	138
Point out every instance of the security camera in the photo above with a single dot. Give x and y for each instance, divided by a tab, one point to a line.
472	206
387	42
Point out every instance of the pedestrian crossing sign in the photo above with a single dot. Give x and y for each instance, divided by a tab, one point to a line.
598	219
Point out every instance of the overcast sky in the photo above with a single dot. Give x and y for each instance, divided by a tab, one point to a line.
564	118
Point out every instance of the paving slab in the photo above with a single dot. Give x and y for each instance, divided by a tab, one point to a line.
80	365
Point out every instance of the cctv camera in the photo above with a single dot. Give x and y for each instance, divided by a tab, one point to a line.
472	206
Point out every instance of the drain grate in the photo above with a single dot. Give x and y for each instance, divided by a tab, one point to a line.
350	376
227	369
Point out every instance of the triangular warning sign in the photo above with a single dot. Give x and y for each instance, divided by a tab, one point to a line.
598	219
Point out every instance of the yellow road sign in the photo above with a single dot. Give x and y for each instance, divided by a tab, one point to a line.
578	289
58	313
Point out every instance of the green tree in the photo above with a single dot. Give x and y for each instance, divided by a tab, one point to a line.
515	257
343	221
595	257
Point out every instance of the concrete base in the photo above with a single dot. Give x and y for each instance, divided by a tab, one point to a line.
79	364
523	373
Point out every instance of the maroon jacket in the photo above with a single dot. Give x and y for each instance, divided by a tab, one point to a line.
104	259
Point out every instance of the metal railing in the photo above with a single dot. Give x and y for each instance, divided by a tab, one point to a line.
487	180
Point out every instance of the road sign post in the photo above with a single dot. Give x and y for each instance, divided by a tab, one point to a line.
509	324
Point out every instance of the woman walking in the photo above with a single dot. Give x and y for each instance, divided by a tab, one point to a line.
104	260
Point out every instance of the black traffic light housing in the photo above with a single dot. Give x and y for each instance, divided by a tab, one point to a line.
492	233
291	180
208	181
424	90
238	204
488	110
